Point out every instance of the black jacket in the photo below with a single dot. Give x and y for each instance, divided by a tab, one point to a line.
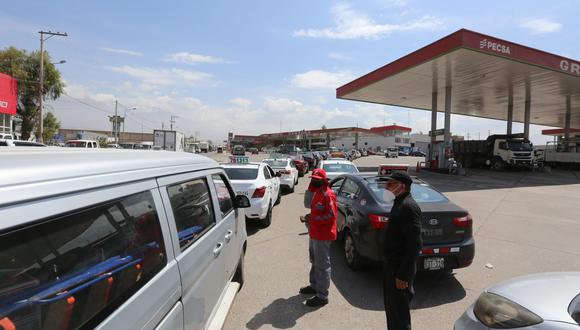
402	239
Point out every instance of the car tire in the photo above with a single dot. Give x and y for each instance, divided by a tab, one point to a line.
279	198
267	221
240	274
351	255
497	164
291	188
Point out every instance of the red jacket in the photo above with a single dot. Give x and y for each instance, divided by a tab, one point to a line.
323	211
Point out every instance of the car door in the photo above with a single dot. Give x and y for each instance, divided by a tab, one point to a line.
270	195
346	197
294	170
275	181
340	217
230	220
198	241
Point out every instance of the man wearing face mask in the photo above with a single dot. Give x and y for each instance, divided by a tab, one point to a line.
322	231
402	246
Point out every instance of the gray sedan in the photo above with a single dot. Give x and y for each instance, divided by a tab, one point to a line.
538	302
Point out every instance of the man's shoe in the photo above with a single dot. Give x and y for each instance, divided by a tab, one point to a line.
307	290
316	302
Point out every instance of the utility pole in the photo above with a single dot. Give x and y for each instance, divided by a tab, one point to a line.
41	84
172	121
116	124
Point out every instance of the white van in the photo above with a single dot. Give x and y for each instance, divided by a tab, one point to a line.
117	240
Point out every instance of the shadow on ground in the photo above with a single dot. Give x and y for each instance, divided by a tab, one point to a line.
363	288
282	313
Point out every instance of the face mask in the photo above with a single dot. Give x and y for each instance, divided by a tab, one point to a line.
316	184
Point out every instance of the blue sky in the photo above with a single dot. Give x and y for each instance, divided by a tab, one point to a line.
253	66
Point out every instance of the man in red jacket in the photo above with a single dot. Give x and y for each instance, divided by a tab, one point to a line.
322	231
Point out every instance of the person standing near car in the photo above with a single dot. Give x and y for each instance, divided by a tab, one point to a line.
321	223
402	246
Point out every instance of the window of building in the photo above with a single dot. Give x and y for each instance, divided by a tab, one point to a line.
74	270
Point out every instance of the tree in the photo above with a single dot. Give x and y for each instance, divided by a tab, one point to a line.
25	67
323	126
51	126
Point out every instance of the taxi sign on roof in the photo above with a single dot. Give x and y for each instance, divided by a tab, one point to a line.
239	159
387	169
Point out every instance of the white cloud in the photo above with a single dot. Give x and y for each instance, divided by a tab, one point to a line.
190	58
121	51
241	102
339	56
541	25
163	77
315	79
351	24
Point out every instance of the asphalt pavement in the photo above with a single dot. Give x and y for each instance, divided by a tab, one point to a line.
524	222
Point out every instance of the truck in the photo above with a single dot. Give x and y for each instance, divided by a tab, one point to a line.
204	146
497	151
169	140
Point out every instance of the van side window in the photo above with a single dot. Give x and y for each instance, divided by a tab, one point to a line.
224	193
192	209
74	270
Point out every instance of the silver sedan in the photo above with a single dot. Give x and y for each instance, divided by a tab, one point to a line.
538	302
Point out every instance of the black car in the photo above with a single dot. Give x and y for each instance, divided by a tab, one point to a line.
363	216
417	154
310	159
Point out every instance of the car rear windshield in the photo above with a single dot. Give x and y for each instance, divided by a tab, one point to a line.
422	193
242	173
276	163
342	168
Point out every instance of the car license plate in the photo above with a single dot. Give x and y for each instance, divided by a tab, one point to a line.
432	232
245	193
434	263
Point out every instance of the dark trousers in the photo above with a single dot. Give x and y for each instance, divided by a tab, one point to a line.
396	301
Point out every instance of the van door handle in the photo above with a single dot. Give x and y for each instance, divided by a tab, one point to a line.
228	236
218	249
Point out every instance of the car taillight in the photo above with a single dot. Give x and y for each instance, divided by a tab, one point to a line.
378	221
463	222
259	192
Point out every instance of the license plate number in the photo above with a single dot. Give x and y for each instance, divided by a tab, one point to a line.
432	232
434	263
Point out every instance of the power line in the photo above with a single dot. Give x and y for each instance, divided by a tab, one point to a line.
88	104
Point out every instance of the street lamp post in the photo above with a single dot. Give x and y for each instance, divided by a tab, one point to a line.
125	116
42	40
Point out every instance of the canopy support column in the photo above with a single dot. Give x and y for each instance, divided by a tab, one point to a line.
527	112
434	97
510	114
447	126
567	122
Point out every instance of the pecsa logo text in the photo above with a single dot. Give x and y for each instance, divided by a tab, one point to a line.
570	67
495	46
3	104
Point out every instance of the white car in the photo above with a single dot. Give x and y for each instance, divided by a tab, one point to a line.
260	184
82	144
392	153
287	169
18	143
336	167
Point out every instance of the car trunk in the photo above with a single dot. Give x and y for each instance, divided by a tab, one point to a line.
438	226
243	187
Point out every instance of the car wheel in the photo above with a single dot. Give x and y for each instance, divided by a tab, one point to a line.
291	188
353	258
268	219
279	198
240	273
497	164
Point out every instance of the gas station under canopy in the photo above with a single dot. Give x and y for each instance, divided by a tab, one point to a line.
468	73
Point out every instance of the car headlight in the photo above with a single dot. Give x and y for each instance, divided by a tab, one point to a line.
497	312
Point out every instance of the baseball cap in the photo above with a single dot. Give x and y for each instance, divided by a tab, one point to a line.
402	177
319	174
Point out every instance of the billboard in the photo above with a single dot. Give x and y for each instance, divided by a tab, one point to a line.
8	94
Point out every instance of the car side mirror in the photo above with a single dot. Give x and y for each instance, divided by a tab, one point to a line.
241	202
278	174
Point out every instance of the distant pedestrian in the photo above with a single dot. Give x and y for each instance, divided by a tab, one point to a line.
402	246
322	231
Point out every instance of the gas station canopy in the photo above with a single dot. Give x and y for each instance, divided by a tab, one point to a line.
481	76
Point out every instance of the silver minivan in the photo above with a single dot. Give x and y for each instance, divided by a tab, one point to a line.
112	239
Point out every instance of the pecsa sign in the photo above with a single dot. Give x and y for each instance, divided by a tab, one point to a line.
495	46
570	67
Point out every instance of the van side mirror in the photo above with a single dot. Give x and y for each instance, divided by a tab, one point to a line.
241	202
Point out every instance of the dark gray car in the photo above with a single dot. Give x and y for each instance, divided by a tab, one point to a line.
363	215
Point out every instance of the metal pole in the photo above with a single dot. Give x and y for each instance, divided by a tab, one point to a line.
510	116
434	97
527	112
567	122
116	124
447	115
41	87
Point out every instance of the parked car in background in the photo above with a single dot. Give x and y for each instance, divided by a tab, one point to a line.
300	163
146	145
239	150
309	157
392	152
537	301
363	216
338	154
254	151
127	145
118	240
417	153
260	184
91	144
336	167
18	143
113	146
287	170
